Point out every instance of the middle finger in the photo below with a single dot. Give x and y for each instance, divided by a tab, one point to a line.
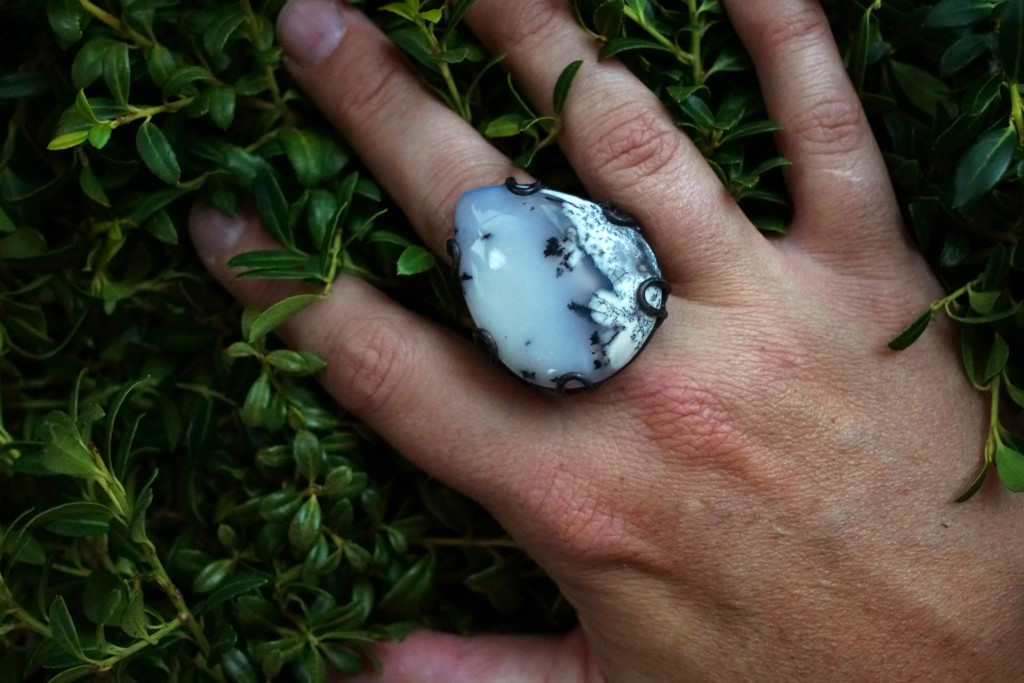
622	141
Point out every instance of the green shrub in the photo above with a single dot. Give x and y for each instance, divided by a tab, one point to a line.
180	500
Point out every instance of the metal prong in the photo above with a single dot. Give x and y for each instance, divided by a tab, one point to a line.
616	217
455	252
522	190
485	340
562	381
641	297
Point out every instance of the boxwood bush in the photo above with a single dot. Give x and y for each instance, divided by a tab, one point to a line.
178	499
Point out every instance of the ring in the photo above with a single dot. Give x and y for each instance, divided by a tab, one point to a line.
563	292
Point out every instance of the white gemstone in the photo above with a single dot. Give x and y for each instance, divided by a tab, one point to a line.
555	283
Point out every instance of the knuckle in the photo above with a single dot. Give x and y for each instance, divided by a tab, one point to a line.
532	23
631	142
782	31
688	420
830	125
379	90
374	362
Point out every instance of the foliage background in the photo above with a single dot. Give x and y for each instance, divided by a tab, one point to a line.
179	498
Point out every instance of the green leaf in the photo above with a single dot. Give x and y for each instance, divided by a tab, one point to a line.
961	53
238	667
88	64
221	29
272	206
925	90
280	506
157	154
65	19
617	46
1010	467
99	135
83	109
90	185
162	227
269	258
104	596
415	259
74	673
1011	40
278	313
983	166
233	587
431	16
975	485
222	106
314	157
981	94
997	357
133	620
1015	392
257	400
410	588
305	525
309	456
64	452
608	18
914	330
563	84
63	629
180	82
505	126
22	85
982	302
212	575
67	140
699	111
402	9
949	13
117	71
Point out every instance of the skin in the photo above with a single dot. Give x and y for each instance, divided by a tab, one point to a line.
766	493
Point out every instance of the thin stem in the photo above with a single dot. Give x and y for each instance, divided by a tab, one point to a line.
174	595
654	33
461	107
148	112
116	23
123	653
696	34
23	615
253	24
1017	111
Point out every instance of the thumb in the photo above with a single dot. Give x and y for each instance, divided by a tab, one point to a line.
429	657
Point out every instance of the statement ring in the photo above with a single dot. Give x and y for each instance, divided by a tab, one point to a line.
564	292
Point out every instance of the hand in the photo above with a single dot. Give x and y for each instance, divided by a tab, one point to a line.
766	491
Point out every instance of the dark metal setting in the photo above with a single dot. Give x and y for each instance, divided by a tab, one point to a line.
641	297
522	190
455	252
562	381
485	340
616	217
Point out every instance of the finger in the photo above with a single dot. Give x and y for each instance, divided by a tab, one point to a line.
427	392
825	133
427	657
423	154
622	141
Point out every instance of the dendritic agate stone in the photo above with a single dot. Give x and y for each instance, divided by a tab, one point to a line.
564	292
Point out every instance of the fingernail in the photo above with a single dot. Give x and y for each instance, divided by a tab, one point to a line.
309	30
214	235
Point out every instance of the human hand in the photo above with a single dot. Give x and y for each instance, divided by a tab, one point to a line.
765	492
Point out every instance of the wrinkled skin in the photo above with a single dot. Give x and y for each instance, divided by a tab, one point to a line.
766	493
